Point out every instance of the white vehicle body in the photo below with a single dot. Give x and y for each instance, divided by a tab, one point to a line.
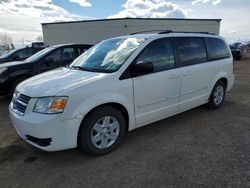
143	99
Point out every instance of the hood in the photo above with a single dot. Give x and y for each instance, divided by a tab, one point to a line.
12	63
56	81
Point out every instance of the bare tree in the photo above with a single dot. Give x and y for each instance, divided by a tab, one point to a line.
6	40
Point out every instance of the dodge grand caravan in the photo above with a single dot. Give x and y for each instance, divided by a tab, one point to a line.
119	85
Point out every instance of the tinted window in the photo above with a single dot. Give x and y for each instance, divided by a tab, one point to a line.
37	49
24	53
68	53
56	55
160	53
39	55
9	54
82	49
217	49
191	50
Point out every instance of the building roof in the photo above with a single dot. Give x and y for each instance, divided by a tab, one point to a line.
100	20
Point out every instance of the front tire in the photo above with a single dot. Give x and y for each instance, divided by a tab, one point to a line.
217	96
102	131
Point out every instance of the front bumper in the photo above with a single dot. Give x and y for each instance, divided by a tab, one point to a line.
46	132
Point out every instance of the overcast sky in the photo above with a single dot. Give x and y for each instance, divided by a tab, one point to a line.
22	18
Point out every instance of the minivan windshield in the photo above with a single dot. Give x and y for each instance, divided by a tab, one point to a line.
107	56
37	56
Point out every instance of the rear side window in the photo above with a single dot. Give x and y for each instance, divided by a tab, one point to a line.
217	49
56	55
191	50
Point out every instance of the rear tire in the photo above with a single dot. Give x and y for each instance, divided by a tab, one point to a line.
102	131
217	96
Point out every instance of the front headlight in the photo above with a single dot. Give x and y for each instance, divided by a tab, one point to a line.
50	105
3	69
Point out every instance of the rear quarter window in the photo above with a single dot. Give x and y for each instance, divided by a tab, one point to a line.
217	49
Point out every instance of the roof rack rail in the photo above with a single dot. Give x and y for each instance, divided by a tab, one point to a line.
149	31
170	31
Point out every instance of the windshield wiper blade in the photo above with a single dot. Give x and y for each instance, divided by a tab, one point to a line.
76	67
83	68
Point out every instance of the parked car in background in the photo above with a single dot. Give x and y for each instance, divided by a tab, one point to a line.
3	49
121	84
12	73
236	52
19	54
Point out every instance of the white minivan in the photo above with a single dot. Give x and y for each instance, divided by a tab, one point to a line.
119	85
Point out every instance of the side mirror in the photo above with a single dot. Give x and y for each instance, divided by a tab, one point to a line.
143	67
48	61
16	57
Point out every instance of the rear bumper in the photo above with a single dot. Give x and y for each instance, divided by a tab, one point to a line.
230	82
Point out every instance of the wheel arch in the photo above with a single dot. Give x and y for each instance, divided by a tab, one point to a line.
211	103
224	80
115	105
222	76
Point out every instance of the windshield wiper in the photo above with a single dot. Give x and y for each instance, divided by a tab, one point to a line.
82	68
76	67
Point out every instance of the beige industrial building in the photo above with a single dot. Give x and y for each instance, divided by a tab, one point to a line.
94	31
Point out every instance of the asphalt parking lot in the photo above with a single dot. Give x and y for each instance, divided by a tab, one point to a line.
198	148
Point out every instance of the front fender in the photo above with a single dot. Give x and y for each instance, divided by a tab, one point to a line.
100	99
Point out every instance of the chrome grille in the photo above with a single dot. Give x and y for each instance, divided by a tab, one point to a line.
20	103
